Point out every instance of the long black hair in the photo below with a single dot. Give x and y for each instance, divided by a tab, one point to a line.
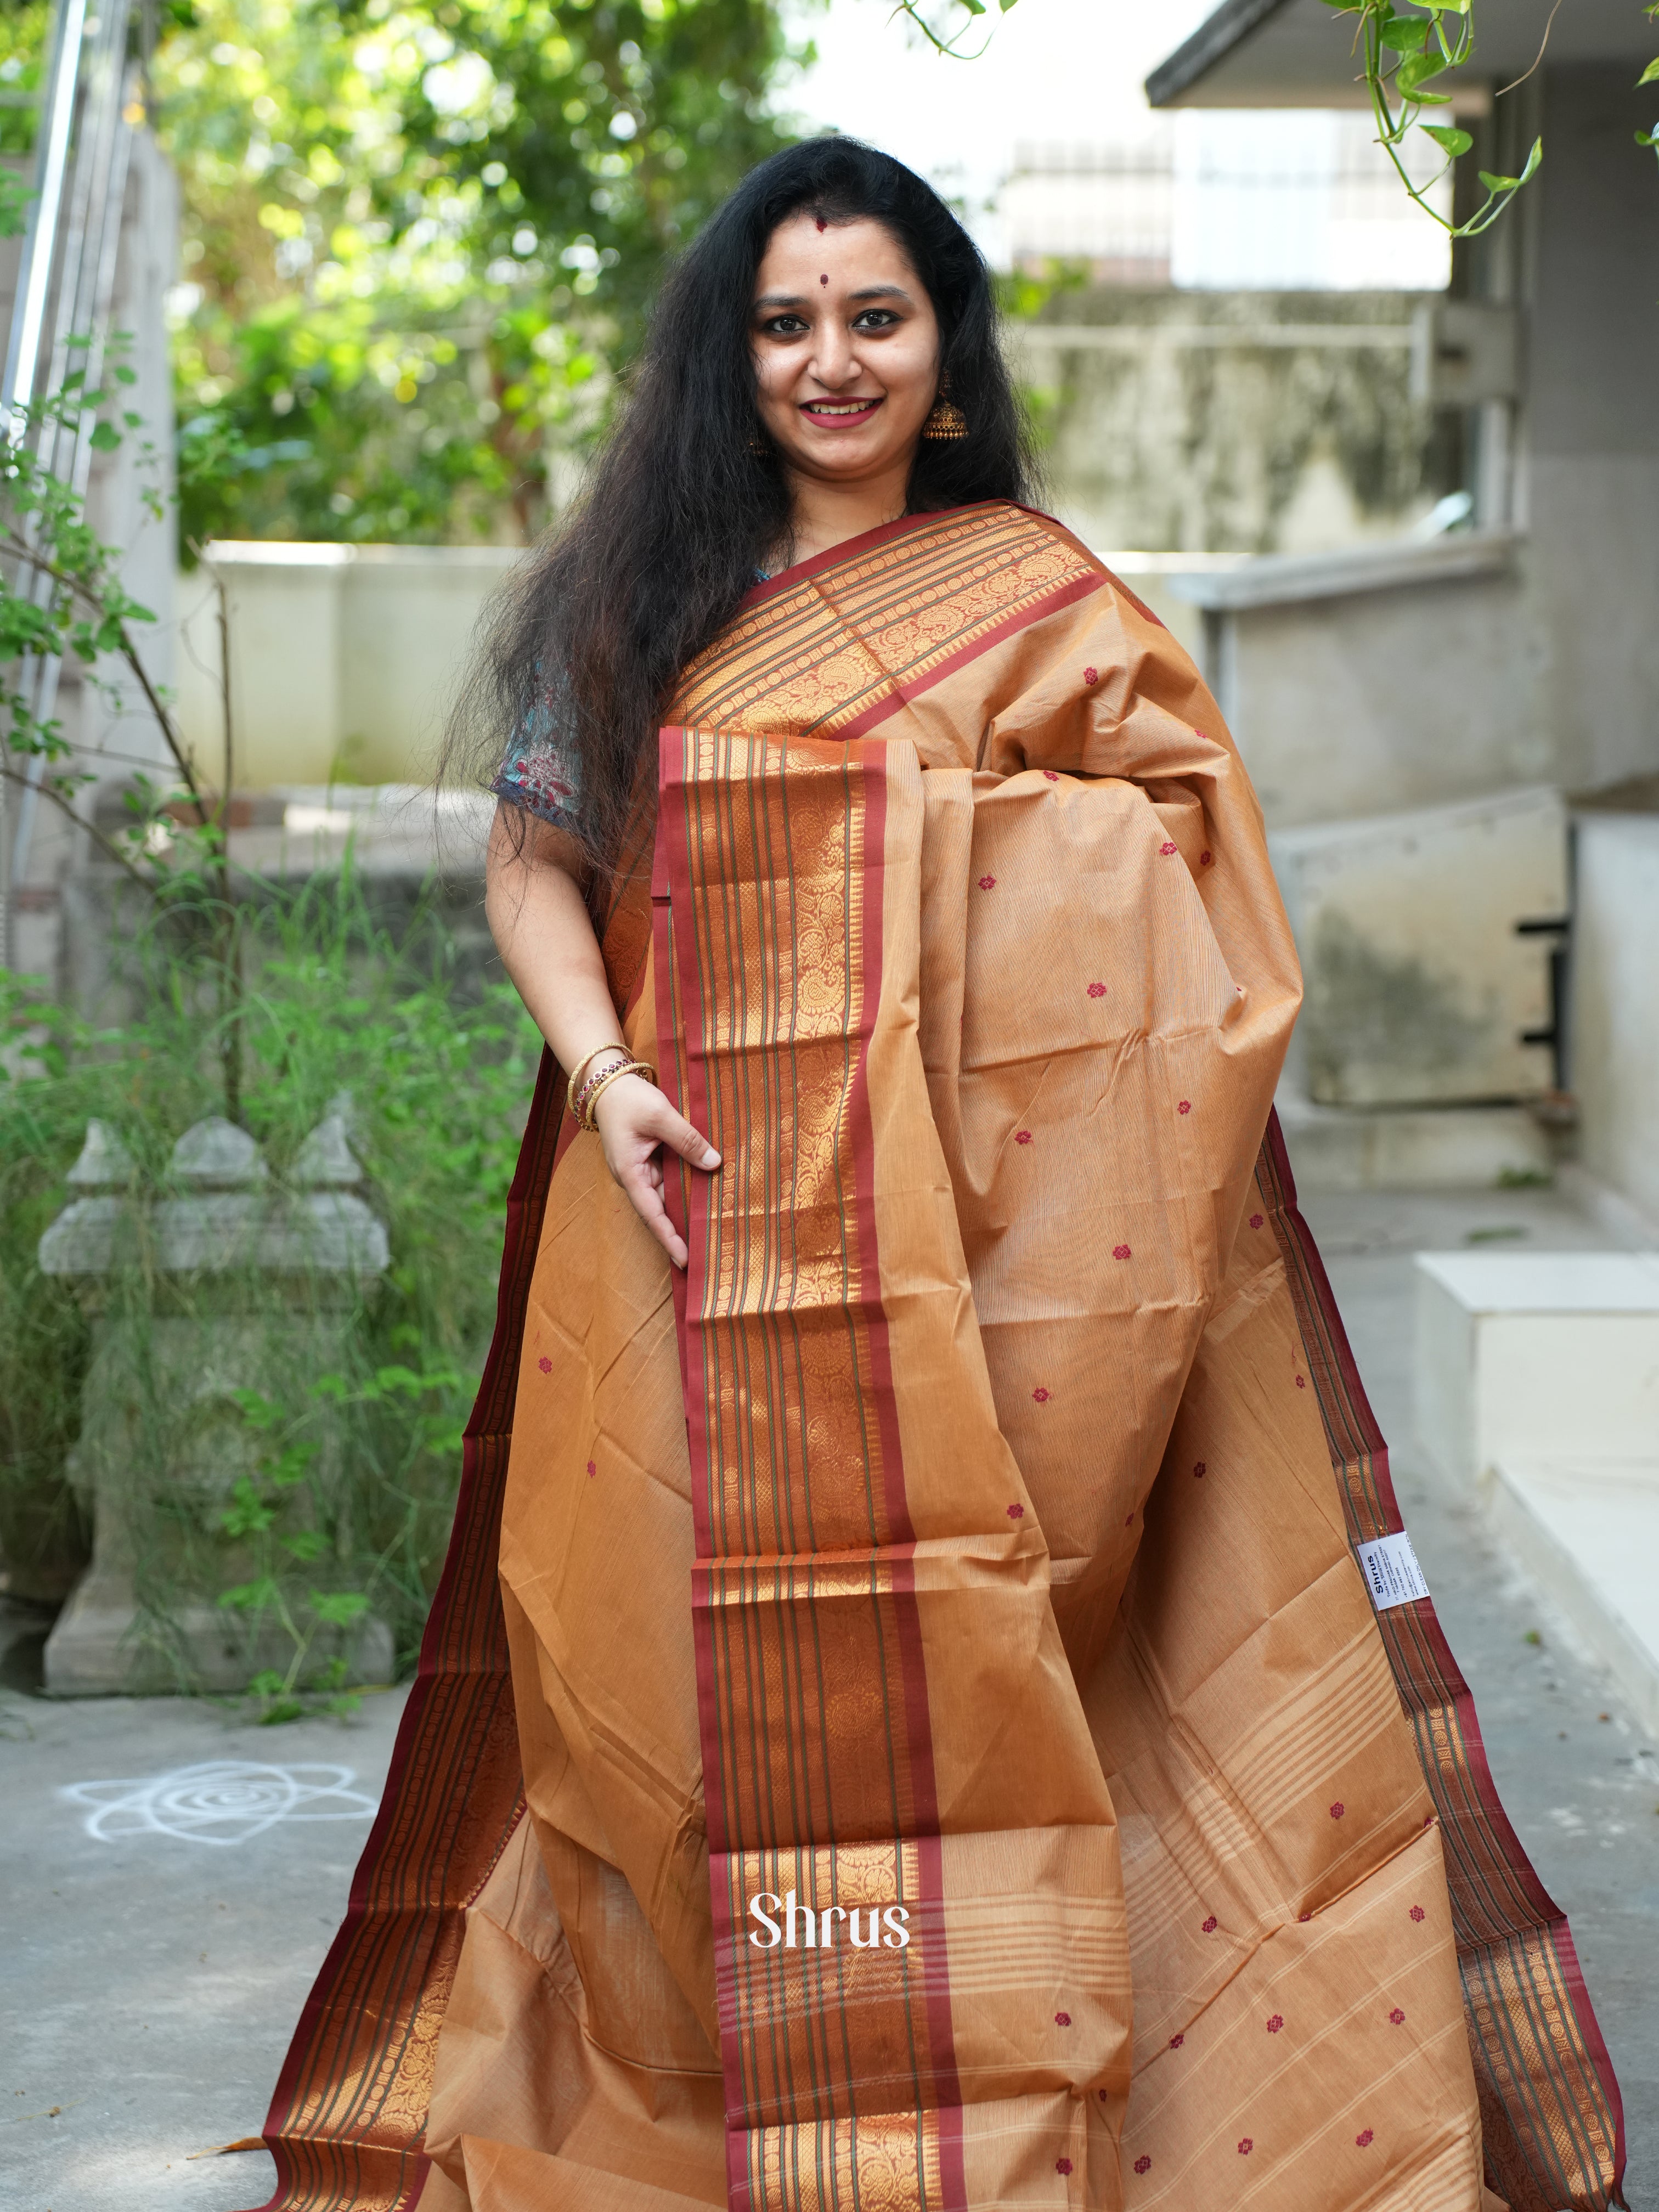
688	498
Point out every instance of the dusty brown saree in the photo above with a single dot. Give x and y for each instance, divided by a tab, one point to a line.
1004	1439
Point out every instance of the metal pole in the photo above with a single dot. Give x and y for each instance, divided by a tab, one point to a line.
39	240
85	287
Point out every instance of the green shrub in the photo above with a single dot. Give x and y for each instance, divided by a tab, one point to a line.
438	1065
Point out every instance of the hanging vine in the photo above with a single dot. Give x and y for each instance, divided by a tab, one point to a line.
1401	54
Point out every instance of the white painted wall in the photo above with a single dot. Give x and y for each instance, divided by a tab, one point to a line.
1536	1355
343	659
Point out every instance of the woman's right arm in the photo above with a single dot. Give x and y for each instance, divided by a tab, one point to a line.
539	920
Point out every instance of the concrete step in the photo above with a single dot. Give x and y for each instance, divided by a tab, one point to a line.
1588	1530
1530	1356
1412	1148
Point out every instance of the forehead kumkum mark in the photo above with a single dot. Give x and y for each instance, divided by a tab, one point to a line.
823	223
823	279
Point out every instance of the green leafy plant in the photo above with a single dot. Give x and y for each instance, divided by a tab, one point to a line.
940	37
1650	75
322	1488
1404	56
318	1482
23	27
43	1336
65	596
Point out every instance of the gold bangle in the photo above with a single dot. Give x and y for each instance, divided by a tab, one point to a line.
583	1064
610	1076
587	1087
591	1084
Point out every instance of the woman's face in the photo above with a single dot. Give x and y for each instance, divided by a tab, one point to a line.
846	348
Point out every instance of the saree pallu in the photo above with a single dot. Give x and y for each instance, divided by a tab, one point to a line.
929	1744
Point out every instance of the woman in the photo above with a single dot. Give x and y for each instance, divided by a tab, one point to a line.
1022	1809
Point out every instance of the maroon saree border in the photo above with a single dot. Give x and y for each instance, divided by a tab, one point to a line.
903	689
853	549
682	974
462	1695
1359	1450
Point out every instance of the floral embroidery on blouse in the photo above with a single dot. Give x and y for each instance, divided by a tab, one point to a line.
538	772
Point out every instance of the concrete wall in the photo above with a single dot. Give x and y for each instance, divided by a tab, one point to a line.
1423	960
1365	691
1615	1065
1253	421
1377	683
1588	489
343	659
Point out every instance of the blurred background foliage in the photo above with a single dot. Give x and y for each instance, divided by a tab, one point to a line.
419	240
22	33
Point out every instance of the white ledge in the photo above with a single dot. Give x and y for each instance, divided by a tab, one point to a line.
320	553
1285	579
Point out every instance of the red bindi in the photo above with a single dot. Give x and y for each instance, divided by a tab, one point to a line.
823	279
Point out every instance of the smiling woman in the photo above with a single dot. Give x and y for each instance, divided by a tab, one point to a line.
847	370
920	1469
726	463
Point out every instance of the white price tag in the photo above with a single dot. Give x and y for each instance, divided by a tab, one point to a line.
1392	1574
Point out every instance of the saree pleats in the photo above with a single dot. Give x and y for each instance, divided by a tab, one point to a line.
960	1764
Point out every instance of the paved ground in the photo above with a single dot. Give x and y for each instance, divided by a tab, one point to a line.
157	1966
161	1972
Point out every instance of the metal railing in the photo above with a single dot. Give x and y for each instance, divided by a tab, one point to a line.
66	280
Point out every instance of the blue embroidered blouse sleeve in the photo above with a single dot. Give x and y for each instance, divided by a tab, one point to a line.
539	774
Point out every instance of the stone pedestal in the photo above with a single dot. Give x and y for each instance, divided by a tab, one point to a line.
205	1301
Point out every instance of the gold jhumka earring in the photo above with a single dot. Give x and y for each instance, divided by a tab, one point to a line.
947	423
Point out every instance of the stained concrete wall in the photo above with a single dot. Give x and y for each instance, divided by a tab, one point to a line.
1250	422
1614	1064
1426	963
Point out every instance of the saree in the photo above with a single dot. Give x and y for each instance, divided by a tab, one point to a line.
930	1707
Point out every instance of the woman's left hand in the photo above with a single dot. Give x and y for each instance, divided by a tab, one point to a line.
636	1122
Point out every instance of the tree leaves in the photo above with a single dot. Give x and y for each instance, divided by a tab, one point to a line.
1416	72
338	1609
424	237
